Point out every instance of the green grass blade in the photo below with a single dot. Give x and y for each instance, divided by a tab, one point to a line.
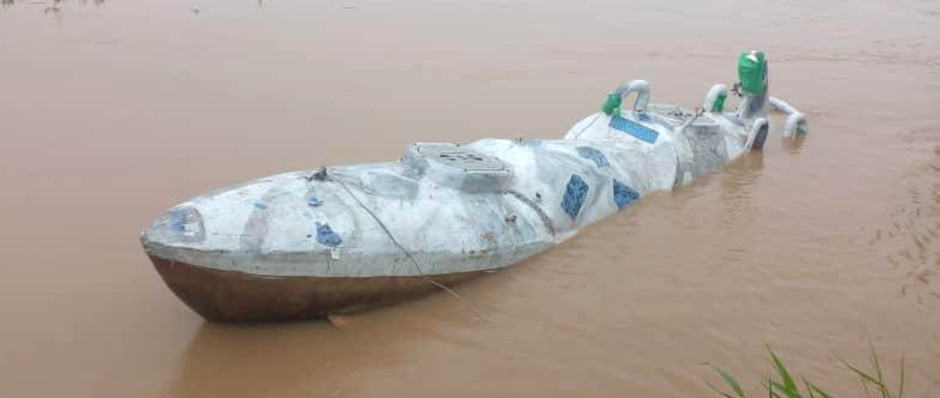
715	389
865	387
782	370
730	380
772	388
808	388
787	392
881	377
819	391
866	377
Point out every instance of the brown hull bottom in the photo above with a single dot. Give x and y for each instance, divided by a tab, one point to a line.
232	296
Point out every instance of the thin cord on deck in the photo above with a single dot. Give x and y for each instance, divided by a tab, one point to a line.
407	253
578	134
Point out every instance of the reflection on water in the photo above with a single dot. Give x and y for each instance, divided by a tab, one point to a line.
793	145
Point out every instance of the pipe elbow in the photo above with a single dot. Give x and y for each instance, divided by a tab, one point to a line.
641	87
795	124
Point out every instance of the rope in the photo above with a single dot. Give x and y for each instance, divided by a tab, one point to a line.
578	135
407	253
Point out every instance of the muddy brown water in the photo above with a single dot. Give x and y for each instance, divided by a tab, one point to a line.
110	112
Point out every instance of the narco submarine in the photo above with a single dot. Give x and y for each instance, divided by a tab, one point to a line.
339	239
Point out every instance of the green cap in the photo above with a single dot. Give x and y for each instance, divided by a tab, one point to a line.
612	105
752	71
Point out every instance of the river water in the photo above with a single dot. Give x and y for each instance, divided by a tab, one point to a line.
110	112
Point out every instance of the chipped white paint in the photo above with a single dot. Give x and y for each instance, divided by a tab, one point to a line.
447	208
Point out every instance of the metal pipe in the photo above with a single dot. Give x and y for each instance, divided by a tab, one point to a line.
642	87
795	123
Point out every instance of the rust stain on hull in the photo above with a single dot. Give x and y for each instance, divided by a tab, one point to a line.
232	296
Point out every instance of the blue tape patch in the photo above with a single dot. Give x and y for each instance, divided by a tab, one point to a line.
624	195
178	220
575	193
326	236
639	131
593	154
